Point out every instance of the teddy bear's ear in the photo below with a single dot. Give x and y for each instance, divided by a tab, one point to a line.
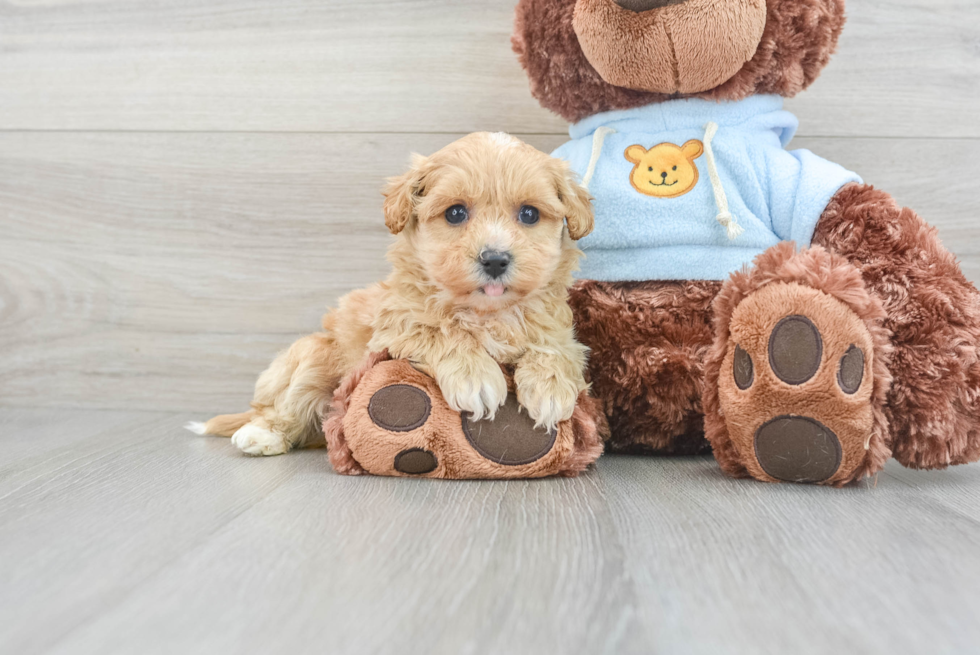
634	154
693	149
402	194
576	200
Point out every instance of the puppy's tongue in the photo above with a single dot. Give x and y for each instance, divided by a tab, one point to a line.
494	290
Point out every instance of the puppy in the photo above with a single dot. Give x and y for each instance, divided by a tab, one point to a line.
481	265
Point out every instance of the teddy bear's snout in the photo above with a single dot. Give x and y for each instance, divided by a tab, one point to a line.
708	43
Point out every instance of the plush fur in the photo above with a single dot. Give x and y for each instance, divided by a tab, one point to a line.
688	47
648	341
799	37
437	308
341	456
933	314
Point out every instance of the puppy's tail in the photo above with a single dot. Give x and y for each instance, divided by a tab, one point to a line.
223	426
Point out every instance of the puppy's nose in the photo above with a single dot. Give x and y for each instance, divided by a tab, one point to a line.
494	262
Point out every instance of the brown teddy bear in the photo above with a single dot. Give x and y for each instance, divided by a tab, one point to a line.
708	327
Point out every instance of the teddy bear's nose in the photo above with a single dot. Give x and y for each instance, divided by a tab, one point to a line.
664	175
646	5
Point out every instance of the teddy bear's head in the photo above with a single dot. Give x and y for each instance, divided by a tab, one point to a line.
584	57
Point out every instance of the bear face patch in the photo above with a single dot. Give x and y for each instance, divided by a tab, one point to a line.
665	170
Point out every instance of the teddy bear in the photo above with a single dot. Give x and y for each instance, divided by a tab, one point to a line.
740	298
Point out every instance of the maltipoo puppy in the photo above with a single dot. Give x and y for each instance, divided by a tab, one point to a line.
481	265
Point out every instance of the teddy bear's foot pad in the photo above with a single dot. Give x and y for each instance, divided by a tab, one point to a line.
797	449
510	438
796	386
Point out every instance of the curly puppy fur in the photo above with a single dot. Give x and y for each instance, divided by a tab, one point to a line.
798	40
439	307
833	275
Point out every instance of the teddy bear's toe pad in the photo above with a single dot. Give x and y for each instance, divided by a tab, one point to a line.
416	461
510	438
796	385
797	449
399	408
795	349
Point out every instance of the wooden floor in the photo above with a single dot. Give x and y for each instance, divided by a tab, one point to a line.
122	533
186	184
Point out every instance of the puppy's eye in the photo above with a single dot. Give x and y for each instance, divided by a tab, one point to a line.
675	168
456	214
650	168
528	215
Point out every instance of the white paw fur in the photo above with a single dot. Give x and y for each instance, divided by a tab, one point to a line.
255	440
468	389
548	401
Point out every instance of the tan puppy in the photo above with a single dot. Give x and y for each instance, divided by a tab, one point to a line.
481	268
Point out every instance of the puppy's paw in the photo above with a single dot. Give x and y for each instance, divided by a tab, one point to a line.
548	396
255	440
477	386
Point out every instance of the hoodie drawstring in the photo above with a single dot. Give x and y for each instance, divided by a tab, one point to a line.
598	138
725	217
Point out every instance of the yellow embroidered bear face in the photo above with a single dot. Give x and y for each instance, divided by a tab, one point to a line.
665	171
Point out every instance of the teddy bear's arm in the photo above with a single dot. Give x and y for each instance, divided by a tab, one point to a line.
800	186
933	313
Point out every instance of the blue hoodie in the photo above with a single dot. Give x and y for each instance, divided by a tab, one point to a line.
692	189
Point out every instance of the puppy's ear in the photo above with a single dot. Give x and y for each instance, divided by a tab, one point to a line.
403	192
576	200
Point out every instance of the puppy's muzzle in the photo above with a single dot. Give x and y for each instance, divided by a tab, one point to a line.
494	263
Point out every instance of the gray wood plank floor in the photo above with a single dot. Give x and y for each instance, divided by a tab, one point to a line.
122	533
412	66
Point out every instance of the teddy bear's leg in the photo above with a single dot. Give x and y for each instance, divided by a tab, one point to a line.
796	382
933	313
390	418
648	341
